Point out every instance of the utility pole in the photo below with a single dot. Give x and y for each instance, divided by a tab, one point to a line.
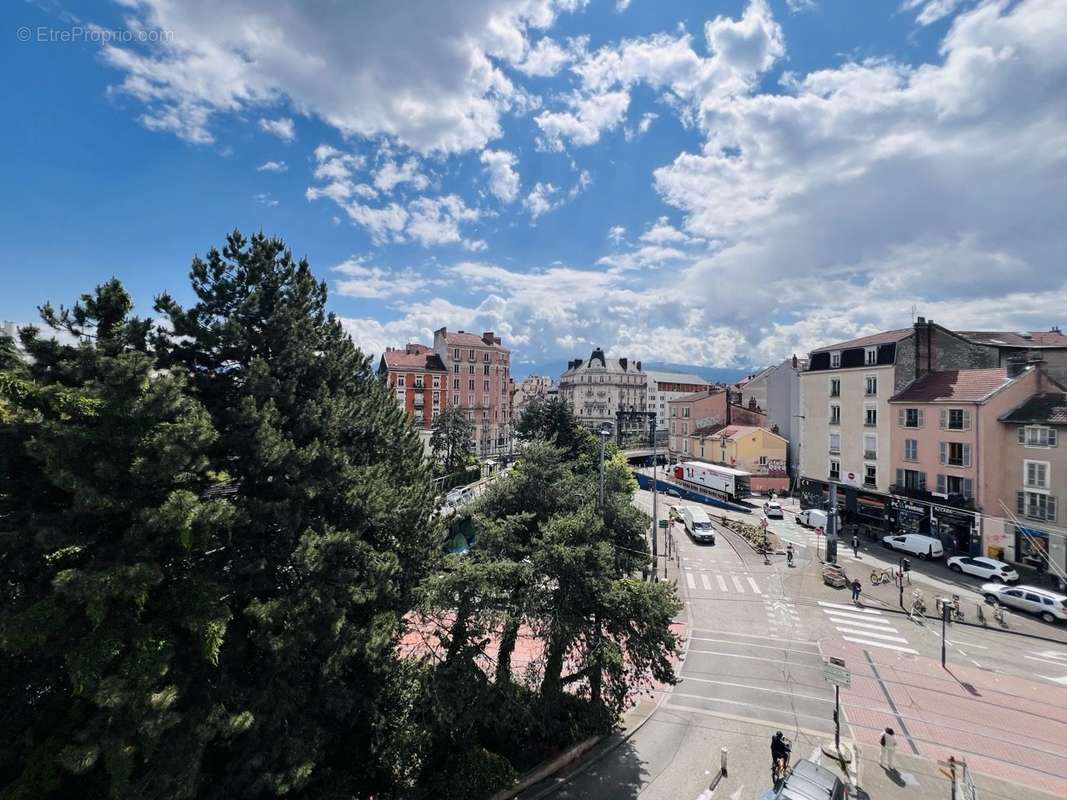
831	527
945	611
655	508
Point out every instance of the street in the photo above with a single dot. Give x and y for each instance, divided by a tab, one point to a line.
758	637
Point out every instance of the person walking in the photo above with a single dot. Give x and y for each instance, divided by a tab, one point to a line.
889	747
857	587
855	545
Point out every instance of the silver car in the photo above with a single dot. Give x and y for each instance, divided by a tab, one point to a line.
981	567
1050	606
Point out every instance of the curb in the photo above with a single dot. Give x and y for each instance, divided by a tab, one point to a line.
547	769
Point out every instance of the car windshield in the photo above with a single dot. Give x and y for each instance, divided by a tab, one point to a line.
702	526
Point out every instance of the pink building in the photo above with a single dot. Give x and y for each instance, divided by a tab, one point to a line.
946	443
418	378
478	369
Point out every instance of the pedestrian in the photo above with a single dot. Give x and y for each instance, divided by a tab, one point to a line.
855	545
889	747
856	588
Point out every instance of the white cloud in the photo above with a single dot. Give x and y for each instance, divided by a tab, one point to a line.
621	5
643	125
800	6
283	128
391	174
429	78
371	282
265	199
662	232
616	234
272	166
590	115
539	201
548	57
930	11
503	179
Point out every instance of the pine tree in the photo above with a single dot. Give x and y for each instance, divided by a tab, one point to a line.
452	440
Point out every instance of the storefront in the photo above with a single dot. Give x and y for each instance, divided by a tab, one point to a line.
909	517
1032	547
957	529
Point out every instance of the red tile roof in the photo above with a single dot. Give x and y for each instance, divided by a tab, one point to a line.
885	337
399	359
961	385
1012	339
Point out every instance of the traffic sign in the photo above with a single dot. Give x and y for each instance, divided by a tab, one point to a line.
663	523
835	672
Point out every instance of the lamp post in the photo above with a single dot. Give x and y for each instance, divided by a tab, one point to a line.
604	432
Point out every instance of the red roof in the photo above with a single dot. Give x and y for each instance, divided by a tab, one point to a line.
885	337
465	339
399	359
961	385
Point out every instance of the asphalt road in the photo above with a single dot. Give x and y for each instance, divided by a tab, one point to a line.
758	638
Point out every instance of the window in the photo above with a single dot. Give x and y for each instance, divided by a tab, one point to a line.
485	370
685	429
436	382
911	449
835	387
470	355
763	461
455	354
870	475
835	443
870	416
835	470
1036	505
955	485
470	385
455	369
870	446
455	385
455	397
685	445
685	411
400	381
485	357
835	415
911	479
955	419
1037	436
871	389
870	356
674	411
437	398
955	454
835	359
1035	474
910	417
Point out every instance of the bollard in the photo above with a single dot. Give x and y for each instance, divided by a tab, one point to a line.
722	758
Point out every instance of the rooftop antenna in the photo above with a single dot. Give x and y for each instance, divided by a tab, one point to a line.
913	310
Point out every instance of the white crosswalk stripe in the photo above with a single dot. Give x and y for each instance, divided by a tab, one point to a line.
754	585
865	626
722	583
737	583
689	580
729	583
704	580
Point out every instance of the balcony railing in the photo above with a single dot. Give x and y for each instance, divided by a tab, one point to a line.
954	500
870	455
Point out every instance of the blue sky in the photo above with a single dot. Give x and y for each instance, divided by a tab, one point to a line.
721	183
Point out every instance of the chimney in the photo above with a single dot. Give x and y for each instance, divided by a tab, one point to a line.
638	365
925	357
794	360
487	337
1054	329
622	363
1016	366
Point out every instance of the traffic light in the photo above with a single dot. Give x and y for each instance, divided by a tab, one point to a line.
905	565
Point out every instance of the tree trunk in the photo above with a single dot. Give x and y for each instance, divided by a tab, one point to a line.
508	639
596	679
552	684
457	636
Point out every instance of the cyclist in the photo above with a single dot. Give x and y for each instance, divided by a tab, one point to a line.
789	553
780	747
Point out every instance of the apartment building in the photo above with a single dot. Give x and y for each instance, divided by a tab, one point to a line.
479	380
704	413
664	387
755	450
532	387
418	378
599	388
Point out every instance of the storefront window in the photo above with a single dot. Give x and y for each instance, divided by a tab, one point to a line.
1031	547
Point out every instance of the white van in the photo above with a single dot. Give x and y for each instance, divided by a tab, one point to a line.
460	496
816	518
916	544
698	525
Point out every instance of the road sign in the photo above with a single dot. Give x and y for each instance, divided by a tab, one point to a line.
835	672
663	523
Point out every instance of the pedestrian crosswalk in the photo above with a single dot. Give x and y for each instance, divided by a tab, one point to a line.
866	626
727	583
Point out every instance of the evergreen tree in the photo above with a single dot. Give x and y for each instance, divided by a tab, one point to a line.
554	421
452	440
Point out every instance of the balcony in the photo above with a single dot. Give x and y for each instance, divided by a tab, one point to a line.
835	451
870	455
953	500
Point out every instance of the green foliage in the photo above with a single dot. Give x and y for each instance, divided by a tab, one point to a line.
452	440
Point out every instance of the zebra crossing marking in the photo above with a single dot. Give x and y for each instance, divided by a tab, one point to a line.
722	583
689	580
865	626
704	580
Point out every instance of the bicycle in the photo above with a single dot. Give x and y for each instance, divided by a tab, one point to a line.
780	765
918	608
955	613
880	576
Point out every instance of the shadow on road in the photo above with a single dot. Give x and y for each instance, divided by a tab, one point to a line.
619	773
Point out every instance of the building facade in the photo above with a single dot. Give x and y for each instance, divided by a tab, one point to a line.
479	381
783	405
600	387
666	386
758	451
702	414
417	377
532	387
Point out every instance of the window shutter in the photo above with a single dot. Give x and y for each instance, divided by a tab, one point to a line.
968	487
944	420
1051	437
1020	502
966	420
922	417
1050	509
900	477
900	417
943	450
922	481
1022	434
966	455
941	484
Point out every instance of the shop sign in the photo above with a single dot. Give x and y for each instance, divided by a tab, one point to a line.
851	478
949	514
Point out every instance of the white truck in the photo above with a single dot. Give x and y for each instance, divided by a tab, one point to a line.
698	525
817	518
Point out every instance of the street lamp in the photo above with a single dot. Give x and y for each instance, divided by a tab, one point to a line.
604	432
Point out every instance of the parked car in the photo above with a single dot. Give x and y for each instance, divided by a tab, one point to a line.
1050	606
772	508
916	544
808	781
459	496
982	567
673	493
